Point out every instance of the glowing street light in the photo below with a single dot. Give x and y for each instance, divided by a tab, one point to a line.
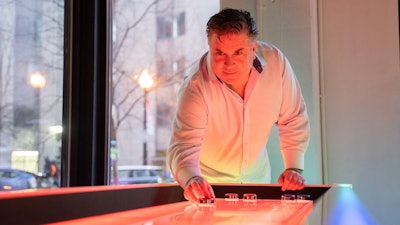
146	82
37	80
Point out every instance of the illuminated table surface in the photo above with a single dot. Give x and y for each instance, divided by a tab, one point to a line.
164	204
260	211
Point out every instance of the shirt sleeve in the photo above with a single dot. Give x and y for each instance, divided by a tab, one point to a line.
188	131
293	121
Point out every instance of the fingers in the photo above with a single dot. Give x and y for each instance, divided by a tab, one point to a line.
207	189
291	180
190	194
198	188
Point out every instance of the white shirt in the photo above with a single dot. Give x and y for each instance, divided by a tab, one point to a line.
222	137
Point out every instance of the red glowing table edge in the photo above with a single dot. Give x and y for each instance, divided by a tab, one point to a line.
72	190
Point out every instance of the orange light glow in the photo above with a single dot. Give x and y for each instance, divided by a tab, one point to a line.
37	80
223	212
6	187
146	80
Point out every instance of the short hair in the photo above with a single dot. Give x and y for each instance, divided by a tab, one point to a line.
232	21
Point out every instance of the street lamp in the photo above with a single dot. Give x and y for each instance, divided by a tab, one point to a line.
37	80
146	83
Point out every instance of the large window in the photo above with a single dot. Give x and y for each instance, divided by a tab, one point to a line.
155	44
31	87
54	116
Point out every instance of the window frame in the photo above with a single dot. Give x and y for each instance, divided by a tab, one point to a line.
85	139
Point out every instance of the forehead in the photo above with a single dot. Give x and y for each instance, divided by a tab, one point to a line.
229	41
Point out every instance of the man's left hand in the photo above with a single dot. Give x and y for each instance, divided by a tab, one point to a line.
291	180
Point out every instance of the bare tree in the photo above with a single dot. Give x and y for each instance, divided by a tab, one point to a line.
127	97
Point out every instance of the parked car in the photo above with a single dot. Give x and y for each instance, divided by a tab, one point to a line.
13	179
140	174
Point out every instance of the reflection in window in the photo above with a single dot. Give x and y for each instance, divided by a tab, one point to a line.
164	38
31	75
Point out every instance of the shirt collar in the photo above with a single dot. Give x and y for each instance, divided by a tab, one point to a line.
258	64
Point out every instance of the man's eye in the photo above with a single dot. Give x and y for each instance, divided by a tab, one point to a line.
220	53
239	53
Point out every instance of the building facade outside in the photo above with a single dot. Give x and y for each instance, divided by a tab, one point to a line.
31	81
165	38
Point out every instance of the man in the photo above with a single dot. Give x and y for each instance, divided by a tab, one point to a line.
226	110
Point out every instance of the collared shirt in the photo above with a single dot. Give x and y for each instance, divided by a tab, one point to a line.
222	137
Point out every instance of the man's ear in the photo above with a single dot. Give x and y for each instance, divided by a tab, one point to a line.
255	48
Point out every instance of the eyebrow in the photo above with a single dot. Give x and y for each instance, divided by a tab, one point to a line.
238	50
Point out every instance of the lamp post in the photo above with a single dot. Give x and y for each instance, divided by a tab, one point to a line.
37	80
146	83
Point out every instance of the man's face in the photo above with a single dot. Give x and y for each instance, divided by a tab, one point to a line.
232	56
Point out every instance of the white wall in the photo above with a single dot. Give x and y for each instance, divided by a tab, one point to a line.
359	75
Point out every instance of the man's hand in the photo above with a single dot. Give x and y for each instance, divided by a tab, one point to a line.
198	188
291	179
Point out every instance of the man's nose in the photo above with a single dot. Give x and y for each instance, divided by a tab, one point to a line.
229	61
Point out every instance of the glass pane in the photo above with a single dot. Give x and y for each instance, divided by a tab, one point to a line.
31	82
155	44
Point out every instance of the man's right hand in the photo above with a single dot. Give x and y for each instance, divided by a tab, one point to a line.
198	188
